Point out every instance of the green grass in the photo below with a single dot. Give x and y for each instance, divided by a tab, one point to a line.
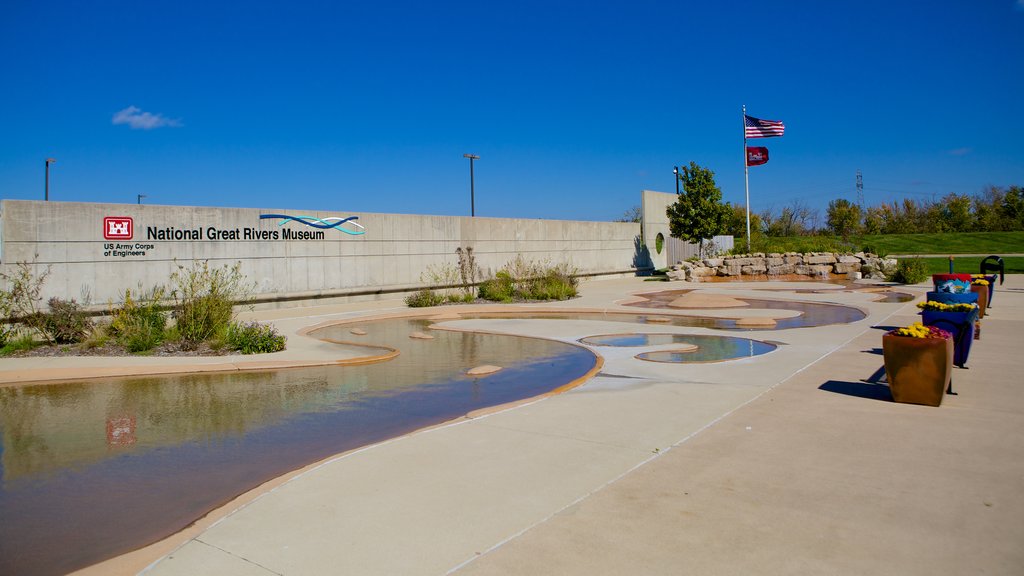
971	265
939	244
19	344
770	244
960	243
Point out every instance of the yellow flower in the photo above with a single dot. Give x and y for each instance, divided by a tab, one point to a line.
943	307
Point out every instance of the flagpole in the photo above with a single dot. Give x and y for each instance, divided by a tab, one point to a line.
746	176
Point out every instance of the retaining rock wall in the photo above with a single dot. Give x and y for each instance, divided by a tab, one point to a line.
864	264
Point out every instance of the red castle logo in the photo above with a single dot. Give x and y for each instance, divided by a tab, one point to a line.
118	228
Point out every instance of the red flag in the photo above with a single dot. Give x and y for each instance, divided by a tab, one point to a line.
756	155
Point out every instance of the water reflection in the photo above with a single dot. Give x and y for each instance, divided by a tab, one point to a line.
709	348
93	470
811	313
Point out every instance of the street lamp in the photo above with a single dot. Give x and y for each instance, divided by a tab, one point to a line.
472	191
46	193
141	196
675	170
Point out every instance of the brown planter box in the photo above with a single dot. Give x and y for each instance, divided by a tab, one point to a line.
918	369
982	292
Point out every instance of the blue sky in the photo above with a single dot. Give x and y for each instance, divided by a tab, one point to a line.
573	107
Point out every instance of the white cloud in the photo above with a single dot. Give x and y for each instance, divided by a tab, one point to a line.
139	120
960	151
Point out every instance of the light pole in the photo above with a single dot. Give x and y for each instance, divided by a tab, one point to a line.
46	192
472	191
675	170
141	196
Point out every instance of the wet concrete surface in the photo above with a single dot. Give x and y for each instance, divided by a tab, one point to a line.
93	470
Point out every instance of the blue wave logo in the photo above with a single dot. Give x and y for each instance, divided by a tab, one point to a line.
321	223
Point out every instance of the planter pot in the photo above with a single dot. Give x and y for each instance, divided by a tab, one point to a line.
956	283
982	292
991	286
918	369
960	325
968	297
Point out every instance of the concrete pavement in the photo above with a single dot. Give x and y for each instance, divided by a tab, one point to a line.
781	464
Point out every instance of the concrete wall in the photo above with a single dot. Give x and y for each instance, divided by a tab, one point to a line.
655	221
391	255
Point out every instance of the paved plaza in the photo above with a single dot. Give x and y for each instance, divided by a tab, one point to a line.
794	462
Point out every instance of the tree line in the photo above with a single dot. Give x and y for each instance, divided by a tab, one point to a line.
994	209
699	213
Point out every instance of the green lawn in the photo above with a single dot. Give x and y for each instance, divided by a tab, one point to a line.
938	244
961	243
971	265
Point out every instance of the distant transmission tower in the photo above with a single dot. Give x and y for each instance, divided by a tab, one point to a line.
860	190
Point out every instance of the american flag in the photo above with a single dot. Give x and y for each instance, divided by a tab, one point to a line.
757	128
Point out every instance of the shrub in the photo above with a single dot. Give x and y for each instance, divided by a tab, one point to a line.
97	337
527	280
469	272
204	298
138	322
22	298
65	323
424	298
499	288
143	308
254	338
138	335
457	298
909	271
555	285
8	330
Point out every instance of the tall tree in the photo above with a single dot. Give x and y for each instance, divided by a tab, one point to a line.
843	217
1012	209
736	222
698	213
955	212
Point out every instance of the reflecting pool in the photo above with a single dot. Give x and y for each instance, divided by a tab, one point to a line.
811	313
703	348
91	470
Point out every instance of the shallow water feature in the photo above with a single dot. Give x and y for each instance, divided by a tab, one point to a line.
91	470
811	313
709	348
883	293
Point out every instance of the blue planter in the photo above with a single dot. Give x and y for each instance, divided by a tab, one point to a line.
952	297
959	324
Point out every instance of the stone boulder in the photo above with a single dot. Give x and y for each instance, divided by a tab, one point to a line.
820	259
741	261
846	267
679	274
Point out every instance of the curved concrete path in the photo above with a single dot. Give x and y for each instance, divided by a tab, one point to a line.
784	463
